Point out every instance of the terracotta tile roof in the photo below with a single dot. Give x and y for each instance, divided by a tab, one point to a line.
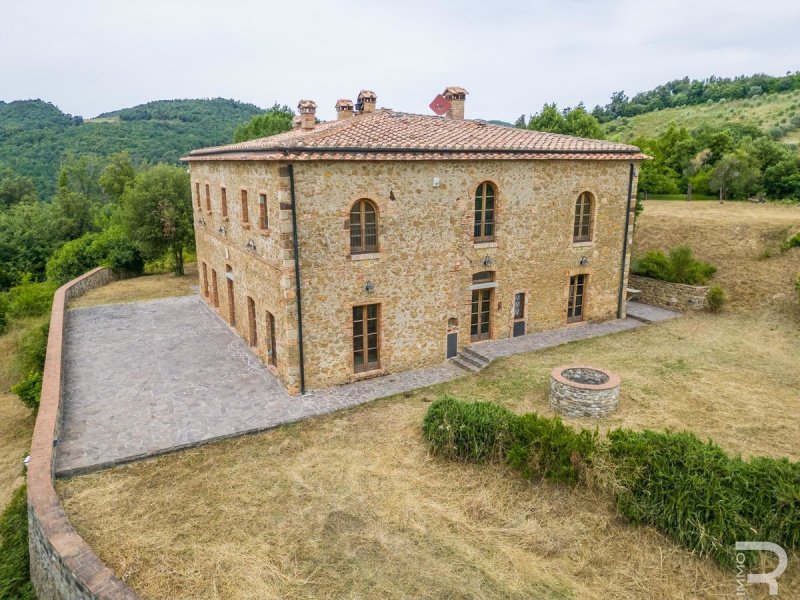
389	135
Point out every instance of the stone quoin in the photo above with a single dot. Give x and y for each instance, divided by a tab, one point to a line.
416	237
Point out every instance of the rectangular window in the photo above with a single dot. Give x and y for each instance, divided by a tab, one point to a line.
263	221
208	198
366	351
519	305
205	280
272	347
251	322
197	194
223	199
214	288
577	294
245	213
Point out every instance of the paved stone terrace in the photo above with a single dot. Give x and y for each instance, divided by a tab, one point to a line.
147	378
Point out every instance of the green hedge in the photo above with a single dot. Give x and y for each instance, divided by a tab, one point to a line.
15	580
680	266
691	490
109	249
476	432
548	448
701	497
482	431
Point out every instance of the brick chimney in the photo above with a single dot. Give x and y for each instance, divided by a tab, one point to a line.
308	113
344	109
367	100
455	96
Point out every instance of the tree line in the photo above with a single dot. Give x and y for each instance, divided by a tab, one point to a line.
687	92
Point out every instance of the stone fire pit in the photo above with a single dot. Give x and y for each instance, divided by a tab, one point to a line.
580	391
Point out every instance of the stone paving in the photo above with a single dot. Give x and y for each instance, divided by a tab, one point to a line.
152	377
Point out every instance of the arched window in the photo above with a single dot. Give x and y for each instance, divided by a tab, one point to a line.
582	229
363	227
484	212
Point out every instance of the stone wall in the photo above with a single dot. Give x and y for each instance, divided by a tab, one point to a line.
668	295
594	398
423	270
63	567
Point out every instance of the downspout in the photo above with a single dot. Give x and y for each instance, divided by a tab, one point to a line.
297	281
621	300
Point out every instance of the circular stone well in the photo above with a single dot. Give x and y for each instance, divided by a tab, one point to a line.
580	391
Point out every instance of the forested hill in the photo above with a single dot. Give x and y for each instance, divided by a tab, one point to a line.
35	135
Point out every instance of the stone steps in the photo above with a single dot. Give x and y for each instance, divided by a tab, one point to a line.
469	360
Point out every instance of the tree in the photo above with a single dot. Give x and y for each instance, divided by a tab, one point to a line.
117	176
15	188
580	123
156	213
735	175
276	120
550	120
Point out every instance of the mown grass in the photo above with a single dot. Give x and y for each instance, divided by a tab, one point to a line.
354	505
139	289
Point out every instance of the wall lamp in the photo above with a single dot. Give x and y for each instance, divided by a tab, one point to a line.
221	230
487	262
584	261
202	221
369	287
250	245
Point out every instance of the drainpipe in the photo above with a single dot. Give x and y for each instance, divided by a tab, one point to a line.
621	300
297	281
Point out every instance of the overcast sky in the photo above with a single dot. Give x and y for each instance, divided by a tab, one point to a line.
90	56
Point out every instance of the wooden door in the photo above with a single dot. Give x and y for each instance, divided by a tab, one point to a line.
271	346
480	325
577	293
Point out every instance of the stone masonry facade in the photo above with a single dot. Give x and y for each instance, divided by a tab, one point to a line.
421	274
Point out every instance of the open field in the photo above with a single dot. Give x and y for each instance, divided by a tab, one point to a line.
145	287
352	506
732	236
16	420
763	112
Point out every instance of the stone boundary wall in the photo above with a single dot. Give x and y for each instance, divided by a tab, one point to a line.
668	295
63	567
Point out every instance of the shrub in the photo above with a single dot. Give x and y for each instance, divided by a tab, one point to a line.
792	242
715	298
118	253
701	497
550	449
679	267
34	348
3	312
110	249
72	259
472	431
30	298
29	389
15	581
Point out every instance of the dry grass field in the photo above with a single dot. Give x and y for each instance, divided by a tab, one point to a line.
351	505
16	420
146	287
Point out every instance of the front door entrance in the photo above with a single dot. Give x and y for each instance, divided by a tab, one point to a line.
481	314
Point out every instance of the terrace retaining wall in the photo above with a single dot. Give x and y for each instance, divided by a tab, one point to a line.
63	566
674	296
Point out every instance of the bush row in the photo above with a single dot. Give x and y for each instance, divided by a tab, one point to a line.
679	266
109	249
535	446
31	357
691	490
14	570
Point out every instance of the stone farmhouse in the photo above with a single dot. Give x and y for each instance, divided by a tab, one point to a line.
385	241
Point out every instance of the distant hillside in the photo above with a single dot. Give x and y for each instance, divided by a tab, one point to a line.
34	135
777	114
